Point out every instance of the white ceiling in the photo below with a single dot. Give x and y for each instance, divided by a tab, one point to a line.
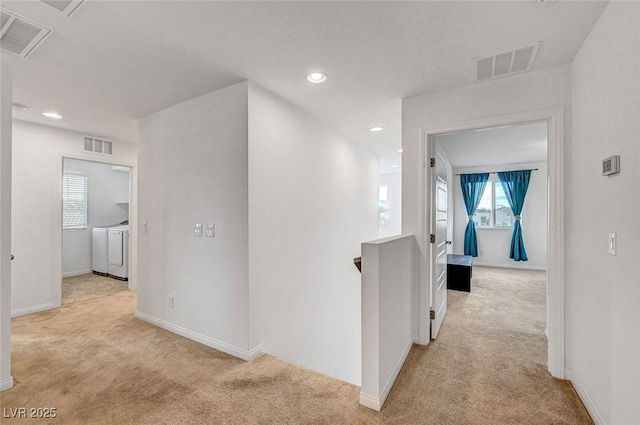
390	163
498	146
111	62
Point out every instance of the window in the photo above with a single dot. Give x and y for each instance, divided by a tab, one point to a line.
74	201
494	209
383	192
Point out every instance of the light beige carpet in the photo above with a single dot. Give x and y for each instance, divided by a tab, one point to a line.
96	364
82	287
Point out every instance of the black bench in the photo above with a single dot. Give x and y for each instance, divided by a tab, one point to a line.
459	272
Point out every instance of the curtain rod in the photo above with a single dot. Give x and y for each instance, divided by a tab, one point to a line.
496	172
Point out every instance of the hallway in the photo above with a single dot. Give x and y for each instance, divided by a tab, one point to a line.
95	363
488	365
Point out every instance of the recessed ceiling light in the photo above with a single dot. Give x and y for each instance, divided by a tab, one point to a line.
52	115
317	77
399	150
376	128
19	107
394	166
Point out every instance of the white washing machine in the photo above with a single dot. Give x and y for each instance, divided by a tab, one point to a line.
110	251
118	249
99	250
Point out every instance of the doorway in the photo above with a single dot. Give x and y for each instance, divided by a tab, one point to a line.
485	152
555	227
96	251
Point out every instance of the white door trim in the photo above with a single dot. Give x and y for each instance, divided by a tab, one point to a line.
133	218
555	229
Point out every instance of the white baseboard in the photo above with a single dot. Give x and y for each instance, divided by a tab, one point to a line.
76	272
34	309
255	353
376	403
6	384
507	266
586	400
247	355
370	401
395	373
416	341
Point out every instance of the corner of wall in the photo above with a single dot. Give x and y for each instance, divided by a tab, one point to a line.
6	82
206	276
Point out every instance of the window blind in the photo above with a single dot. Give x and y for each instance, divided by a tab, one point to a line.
74	201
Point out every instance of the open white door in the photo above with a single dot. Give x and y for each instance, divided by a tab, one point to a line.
438	239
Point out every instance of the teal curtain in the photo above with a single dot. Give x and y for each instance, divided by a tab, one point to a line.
515	184
472	189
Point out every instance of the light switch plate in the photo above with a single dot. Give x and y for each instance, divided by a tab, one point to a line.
197	229
144	226
211	230
612	243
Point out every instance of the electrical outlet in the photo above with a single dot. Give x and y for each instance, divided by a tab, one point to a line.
197	229
170	301
211	230
144	226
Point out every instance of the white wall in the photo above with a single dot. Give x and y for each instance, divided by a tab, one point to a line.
389	274
312	202
291	201
36	239
603	291
193	169
494	244
457	108
106	188
6	381
393	181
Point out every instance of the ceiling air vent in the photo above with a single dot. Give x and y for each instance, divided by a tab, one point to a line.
507	63
20	35
65	6
61	5
91	144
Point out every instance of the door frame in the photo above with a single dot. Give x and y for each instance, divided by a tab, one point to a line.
133	214
555	227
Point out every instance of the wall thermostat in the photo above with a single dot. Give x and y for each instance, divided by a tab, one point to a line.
611	165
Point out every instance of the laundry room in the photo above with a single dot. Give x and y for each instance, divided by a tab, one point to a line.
95	229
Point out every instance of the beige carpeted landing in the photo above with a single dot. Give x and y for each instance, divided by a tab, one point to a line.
96	364
82	287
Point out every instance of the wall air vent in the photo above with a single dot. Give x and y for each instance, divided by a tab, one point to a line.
65	6
507	63
95	145
20	35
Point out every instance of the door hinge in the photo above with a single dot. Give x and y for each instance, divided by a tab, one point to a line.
432	238
432	162
432	314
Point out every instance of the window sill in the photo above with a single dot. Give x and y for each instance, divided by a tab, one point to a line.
494	228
